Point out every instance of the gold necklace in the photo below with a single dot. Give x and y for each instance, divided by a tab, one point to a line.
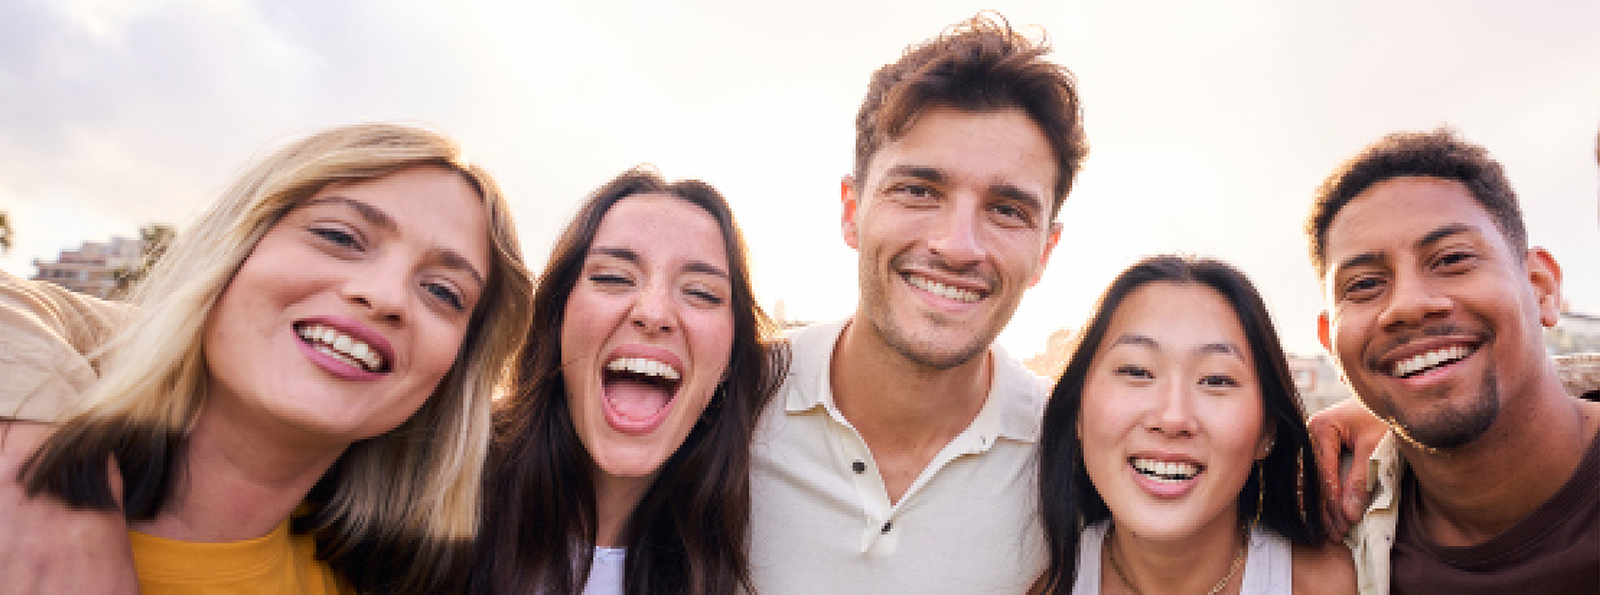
1111	552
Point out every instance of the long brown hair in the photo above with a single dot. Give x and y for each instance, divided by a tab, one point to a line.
689	532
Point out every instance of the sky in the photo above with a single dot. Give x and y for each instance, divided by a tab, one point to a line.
1210	123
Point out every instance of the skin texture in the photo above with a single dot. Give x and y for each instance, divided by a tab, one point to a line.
402	266
1173	381
655	285
961	199
1443	276
274	420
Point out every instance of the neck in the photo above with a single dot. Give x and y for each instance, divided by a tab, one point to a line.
1188	564
899	403
1531	451
615	500
238	482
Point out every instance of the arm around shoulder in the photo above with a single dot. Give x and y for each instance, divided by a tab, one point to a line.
1323	569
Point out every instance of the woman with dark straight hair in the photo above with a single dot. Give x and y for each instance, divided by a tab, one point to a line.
621	457
1174	447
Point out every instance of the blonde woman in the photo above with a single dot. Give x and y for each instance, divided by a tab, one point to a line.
302	403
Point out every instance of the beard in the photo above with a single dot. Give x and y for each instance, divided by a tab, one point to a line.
925	352
1448	425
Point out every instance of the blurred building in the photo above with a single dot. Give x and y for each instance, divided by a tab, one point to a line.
1318	381
1053	360
93	267
1573	333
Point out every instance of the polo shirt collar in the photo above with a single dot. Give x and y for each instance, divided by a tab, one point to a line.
1010	411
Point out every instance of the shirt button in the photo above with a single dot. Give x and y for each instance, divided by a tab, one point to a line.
859	466
886	526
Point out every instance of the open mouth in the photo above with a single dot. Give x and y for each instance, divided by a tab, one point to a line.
640	389
1165	471
342	347
949	292
1423	363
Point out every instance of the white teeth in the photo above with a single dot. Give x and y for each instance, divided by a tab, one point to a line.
643	366
344	347
1423	361
942	290
1166	471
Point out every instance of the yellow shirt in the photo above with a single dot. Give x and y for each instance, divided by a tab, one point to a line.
273	563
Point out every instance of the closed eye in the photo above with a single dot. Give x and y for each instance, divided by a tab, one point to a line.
444	293
1218	381
337	237
1133	371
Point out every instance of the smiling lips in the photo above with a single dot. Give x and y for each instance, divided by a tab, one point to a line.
639	392
942	290
342	347
1429	361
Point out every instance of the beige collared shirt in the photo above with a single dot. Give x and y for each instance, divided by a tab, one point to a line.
822	521
1372	539
48	336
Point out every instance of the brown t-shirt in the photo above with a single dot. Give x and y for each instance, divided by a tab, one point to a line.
1555	549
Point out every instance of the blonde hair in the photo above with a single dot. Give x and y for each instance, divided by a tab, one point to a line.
413	491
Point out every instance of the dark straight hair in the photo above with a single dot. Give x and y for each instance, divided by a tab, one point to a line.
689	533
1068	500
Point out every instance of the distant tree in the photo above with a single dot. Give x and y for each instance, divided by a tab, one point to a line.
156	237
5	232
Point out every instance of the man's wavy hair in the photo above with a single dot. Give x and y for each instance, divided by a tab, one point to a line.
979	65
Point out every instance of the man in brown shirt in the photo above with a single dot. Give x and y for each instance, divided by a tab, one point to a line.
1489	481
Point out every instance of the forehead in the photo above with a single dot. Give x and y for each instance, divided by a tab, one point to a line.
988	145
1178	316
1395	213
656	223
427	204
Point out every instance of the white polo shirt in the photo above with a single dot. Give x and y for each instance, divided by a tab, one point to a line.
822	522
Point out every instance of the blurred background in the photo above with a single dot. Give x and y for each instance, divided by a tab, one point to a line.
1210	123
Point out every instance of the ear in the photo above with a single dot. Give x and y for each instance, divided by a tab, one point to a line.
1323	331
847	215
1269	436
1049	248
1544	274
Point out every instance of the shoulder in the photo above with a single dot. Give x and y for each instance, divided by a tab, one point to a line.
1324	568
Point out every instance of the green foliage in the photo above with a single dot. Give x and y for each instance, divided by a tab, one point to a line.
157	237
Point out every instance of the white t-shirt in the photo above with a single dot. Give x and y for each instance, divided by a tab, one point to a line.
821	519
605	573
1267	565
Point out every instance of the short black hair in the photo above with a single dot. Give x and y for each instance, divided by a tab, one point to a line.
1438	154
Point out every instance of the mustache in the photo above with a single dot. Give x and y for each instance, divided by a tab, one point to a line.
977	272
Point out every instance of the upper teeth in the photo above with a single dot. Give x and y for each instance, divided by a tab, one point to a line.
1423	361
1166	470
643	366
942	290
339	345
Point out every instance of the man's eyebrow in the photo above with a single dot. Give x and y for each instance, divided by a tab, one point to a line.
1032	199
1362	259
1443	232
921	172
377	218
372	214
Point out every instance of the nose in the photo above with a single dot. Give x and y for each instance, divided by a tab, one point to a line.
1172	412
382	289
653	310
1412	301
958	236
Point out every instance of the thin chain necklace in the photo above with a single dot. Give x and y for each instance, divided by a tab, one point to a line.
1111	552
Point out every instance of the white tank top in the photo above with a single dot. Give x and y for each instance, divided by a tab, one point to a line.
1266	567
